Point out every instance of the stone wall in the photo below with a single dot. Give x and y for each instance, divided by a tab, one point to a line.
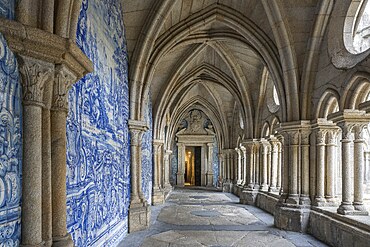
98	163
147	155
10	146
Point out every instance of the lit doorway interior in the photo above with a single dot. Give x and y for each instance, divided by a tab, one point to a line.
193	166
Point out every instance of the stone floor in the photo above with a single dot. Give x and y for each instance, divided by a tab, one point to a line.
198	217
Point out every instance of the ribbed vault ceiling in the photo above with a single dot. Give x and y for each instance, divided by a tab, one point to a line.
208	60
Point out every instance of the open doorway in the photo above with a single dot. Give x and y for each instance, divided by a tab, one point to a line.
193	166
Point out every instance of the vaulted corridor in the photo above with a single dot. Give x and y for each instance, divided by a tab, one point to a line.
199	217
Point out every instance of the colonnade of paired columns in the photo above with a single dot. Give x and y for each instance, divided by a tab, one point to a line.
258	166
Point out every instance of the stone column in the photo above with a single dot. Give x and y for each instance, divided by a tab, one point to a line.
349	120
367	171
320	168
243	164
158	195
139	210
279	168
268	164
264	186
274	164
256	165
181	165
358	156
239	166
305	171
59	109
210	165
346	205
294	136
331	164
35	74
166	159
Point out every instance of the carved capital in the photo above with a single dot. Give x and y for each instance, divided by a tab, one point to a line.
320	137
63	81
136	136
34	74
346	130
332	137
293	137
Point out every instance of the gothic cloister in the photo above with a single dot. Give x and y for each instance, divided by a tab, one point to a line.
112	111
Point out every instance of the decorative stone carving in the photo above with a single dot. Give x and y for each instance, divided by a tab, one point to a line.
64	79
35	74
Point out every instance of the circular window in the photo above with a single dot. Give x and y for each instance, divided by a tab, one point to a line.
357	27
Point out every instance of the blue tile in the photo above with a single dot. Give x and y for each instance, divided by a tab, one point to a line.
10	147
98	161
7	9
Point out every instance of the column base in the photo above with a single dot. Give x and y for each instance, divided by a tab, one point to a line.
360	209
319	202
292	199
157	197
48	243
248	197
304	200
138	217
346	209
264	187
167	190
65	241
292	218
226	187
273	189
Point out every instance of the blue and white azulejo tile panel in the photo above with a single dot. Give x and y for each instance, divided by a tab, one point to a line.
98	161
10	147
7	9
147	154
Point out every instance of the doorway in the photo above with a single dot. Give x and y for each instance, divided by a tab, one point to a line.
193	166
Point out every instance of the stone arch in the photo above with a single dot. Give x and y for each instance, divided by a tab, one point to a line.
185	84
328	103
265	132
208	109
257	39
274	124
356	91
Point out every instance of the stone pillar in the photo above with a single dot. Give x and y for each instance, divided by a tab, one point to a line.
256	164
59	109
358	150
35	74
239	166
243	164
305	171
158	195
294	137
320	168
166	161
274	164
139	210
264	151
279	168
291	213
349	120
46	179
367	171
331	164
210	165
180	165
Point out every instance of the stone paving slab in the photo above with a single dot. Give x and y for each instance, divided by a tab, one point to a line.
210	218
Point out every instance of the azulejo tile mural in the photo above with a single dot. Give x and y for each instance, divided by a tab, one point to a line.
10	147
98	160
147	154
7	8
